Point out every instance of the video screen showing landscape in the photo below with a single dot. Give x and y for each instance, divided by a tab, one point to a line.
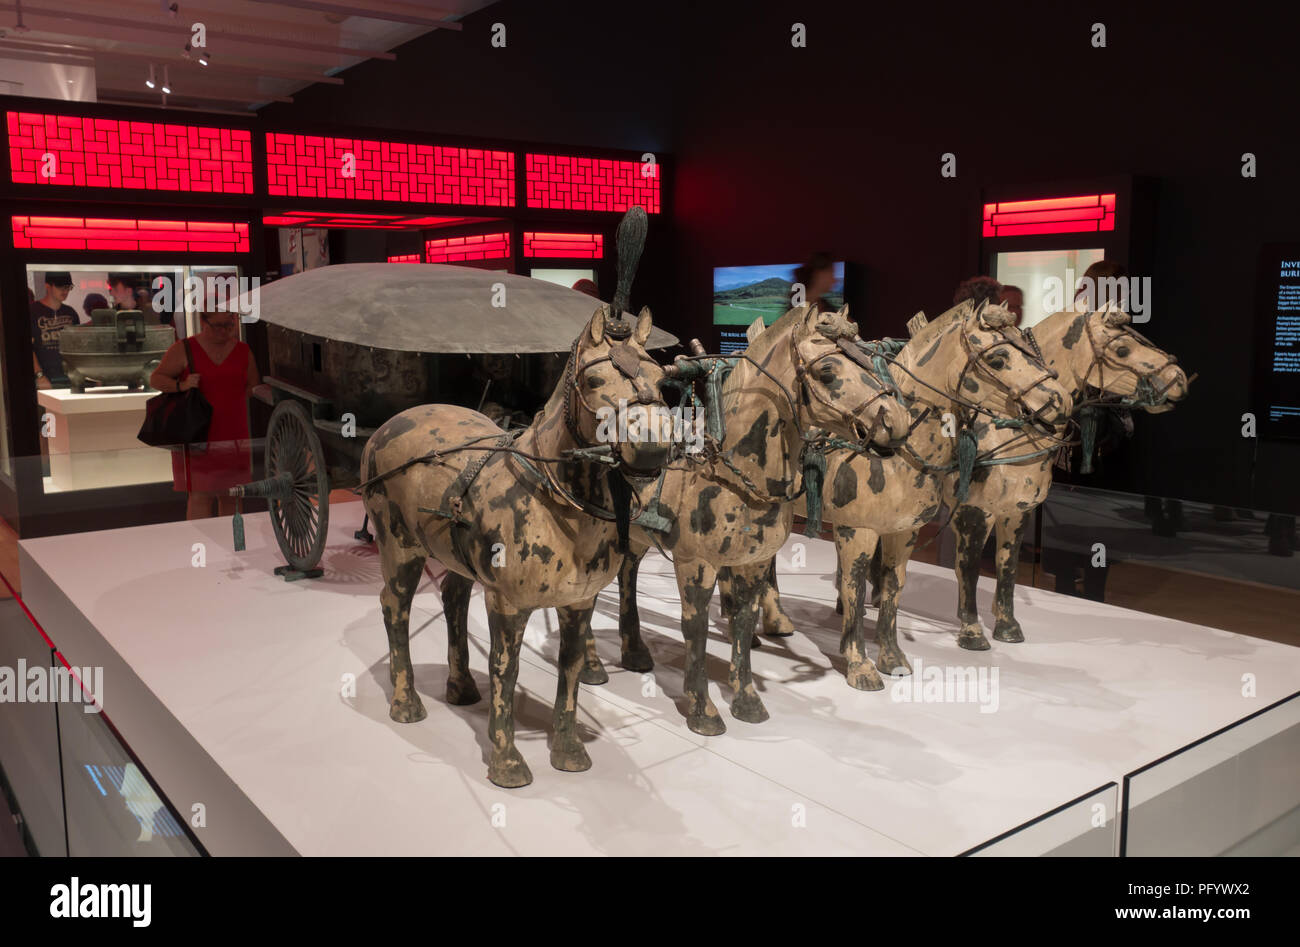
743	293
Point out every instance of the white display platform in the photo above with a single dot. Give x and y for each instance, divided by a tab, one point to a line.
94	443
228	683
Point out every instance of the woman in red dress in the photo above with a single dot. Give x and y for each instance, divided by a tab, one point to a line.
225	373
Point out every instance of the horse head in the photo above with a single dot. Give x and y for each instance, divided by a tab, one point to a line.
1126	364
997	357
612	396
839	389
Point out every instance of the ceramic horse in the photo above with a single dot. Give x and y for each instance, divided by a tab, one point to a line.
524	514
966	371
1095	351
736	509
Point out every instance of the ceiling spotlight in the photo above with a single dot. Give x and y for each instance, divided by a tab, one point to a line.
166	86
185	53
203	57
150	82
20	26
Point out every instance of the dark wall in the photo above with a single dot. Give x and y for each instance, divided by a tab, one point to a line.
778	151
580	73
782	151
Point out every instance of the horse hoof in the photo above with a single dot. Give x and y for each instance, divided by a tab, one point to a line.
639	660
407	711
749	708
864	677
462	691
1009	631
755	641
893	663
593	674
972	638
570	757
707	724
509	771
839	605
780	627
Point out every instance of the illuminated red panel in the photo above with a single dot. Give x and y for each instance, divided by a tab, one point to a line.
106	152
589	246
82	233
483	246
313	166
564	182
405	258
1086	214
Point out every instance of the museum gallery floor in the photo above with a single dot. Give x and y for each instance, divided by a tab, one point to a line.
231	686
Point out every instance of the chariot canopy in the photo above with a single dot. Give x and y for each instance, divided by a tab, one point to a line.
431	307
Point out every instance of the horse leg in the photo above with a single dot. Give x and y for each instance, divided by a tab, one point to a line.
593	671
839	581
970	528
695	581
402	567
746	585
567	752
727	600
461	688
1010	532
507	767
636	656
776	623
877	574
894	552
853	547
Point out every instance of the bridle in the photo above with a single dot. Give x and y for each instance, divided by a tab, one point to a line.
804	368
625	358
1149	392
975	360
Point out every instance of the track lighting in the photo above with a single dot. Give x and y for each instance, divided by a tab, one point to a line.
166	86
203	57
150	82
20	26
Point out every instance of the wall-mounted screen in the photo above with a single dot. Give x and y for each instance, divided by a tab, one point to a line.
743	293
1277	342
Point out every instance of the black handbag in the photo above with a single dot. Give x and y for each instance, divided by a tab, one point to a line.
175	418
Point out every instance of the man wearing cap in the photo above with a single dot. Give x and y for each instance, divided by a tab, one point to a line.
50	316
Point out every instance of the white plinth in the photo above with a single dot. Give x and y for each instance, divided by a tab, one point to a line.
230	686
94	441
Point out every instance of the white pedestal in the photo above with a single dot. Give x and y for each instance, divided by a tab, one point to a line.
94	442
268	702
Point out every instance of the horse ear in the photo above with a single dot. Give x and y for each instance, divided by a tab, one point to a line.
811	317
643	326
596	327
755	329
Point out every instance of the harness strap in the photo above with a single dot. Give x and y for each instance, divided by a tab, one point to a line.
454	497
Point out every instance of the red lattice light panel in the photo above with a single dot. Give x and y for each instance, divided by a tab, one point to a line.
483	246
1087	214
564	182
313	166
405	258
97	233
106	152
588	246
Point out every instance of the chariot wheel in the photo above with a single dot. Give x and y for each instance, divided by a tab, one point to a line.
300	519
